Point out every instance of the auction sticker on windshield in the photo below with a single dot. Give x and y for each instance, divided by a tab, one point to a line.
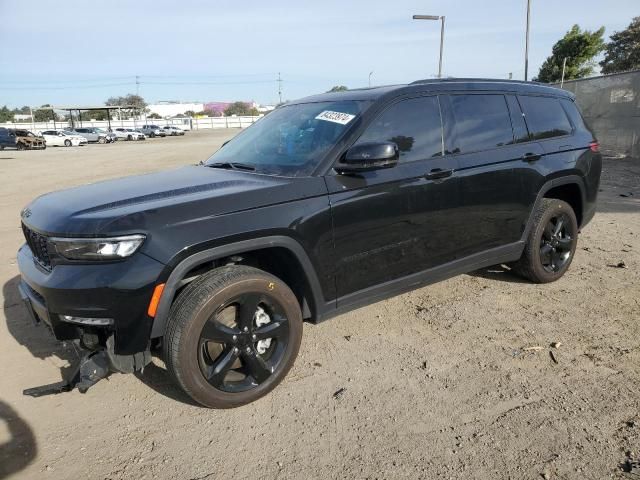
336	117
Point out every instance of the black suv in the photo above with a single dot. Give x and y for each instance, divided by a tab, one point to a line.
326	204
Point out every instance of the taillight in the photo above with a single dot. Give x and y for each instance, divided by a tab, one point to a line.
594	147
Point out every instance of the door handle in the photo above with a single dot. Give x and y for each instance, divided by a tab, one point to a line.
437	173
531	157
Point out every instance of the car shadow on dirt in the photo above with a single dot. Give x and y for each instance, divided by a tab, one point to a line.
501	273
21	447
157	378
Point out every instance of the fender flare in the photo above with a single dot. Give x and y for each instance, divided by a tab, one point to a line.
178	273
556	182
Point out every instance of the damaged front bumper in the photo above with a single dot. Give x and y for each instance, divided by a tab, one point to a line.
102	307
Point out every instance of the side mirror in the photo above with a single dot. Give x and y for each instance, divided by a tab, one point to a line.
368	156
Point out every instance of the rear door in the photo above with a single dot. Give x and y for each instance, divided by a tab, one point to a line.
496	162
394	222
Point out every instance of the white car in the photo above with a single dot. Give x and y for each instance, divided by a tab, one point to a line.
126	134
62	138
171	130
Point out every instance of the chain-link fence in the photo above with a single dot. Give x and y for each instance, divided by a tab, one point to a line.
611	105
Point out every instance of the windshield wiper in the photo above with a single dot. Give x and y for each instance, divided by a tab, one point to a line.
232	166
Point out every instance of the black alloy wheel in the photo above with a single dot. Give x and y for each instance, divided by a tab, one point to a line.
556	243
551	242
243	342
232	336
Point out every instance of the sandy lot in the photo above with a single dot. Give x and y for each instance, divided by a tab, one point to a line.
456	380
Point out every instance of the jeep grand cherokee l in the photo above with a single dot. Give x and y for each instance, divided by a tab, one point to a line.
326	204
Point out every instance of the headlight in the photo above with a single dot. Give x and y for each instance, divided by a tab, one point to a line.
97	248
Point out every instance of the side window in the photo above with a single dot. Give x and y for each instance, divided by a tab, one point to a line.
574	115
413	124
520	132
481	122
545	117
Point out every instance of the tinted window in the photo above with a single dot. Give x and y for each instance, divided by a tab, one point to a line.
413	124
481	122
545	117
574	114
520	132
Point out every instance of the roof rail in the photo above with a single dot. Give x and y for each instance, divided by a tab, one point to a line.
463	79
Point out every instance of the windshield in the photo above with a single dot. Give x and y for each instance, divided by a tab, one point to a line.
291	140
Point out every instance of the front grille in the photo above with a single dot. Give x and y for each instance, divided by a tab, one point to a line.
38	244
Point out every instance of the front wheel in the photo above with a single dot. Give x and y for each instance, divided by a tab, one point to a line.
101	140
67	143
551	243
232	336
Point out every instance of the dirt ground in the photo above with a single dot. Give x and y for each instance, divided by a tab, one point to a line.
456	380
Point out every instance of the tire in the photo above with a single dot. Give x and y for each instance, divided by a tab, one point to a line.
102	140
67	143
20	146
241	368
549	249
152	135
129	137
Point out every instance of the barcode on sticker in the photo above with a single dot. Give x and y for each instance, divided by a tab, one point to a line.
336	117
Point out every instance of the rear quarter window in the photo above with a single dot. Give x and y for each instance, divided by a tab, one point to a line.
545	117
574	115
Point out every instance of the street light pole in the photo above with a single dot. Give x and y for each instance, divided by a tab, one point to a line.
435	17
370	73
526	43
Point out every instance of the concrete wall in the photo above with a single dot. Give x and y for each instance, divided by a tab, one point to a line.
611	106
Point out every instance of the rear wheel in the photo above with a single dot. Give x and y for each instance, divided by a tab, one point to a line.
232	336
551	243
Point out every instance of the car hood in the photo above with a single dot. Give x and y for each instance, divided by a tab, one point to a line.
139	203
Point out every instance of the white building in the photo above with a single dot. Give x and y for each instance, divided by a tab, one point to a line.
171	109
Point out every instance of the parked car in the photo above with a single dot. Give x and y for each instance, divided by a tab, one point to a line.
7	138
140	135
326	204
109	136
173	131
128	134
153	131
93	135
59	138
26	140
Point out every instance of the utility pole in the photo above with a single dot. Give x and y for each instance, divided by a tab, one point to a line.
370	73
279	88
564	66
137	84
526	43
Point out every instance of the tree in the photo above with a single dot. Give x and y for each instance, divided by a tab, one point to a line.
622	53
154	115
93	115
45	115
338	88
240	109
6	115
579	47
135	101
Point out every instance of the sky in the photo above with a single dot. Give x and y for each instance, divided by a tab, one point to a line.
83	52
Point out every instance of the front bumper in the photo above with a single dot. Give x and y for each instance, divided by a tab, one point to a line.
118	290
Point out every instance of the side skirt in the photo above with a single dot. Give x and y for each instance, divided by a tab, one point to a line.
367	296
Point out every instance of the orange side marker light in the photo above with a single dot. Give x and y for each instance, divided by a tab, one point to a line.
155	300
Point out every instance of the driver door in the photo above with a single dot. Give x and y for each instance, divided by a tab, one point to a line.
392	223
